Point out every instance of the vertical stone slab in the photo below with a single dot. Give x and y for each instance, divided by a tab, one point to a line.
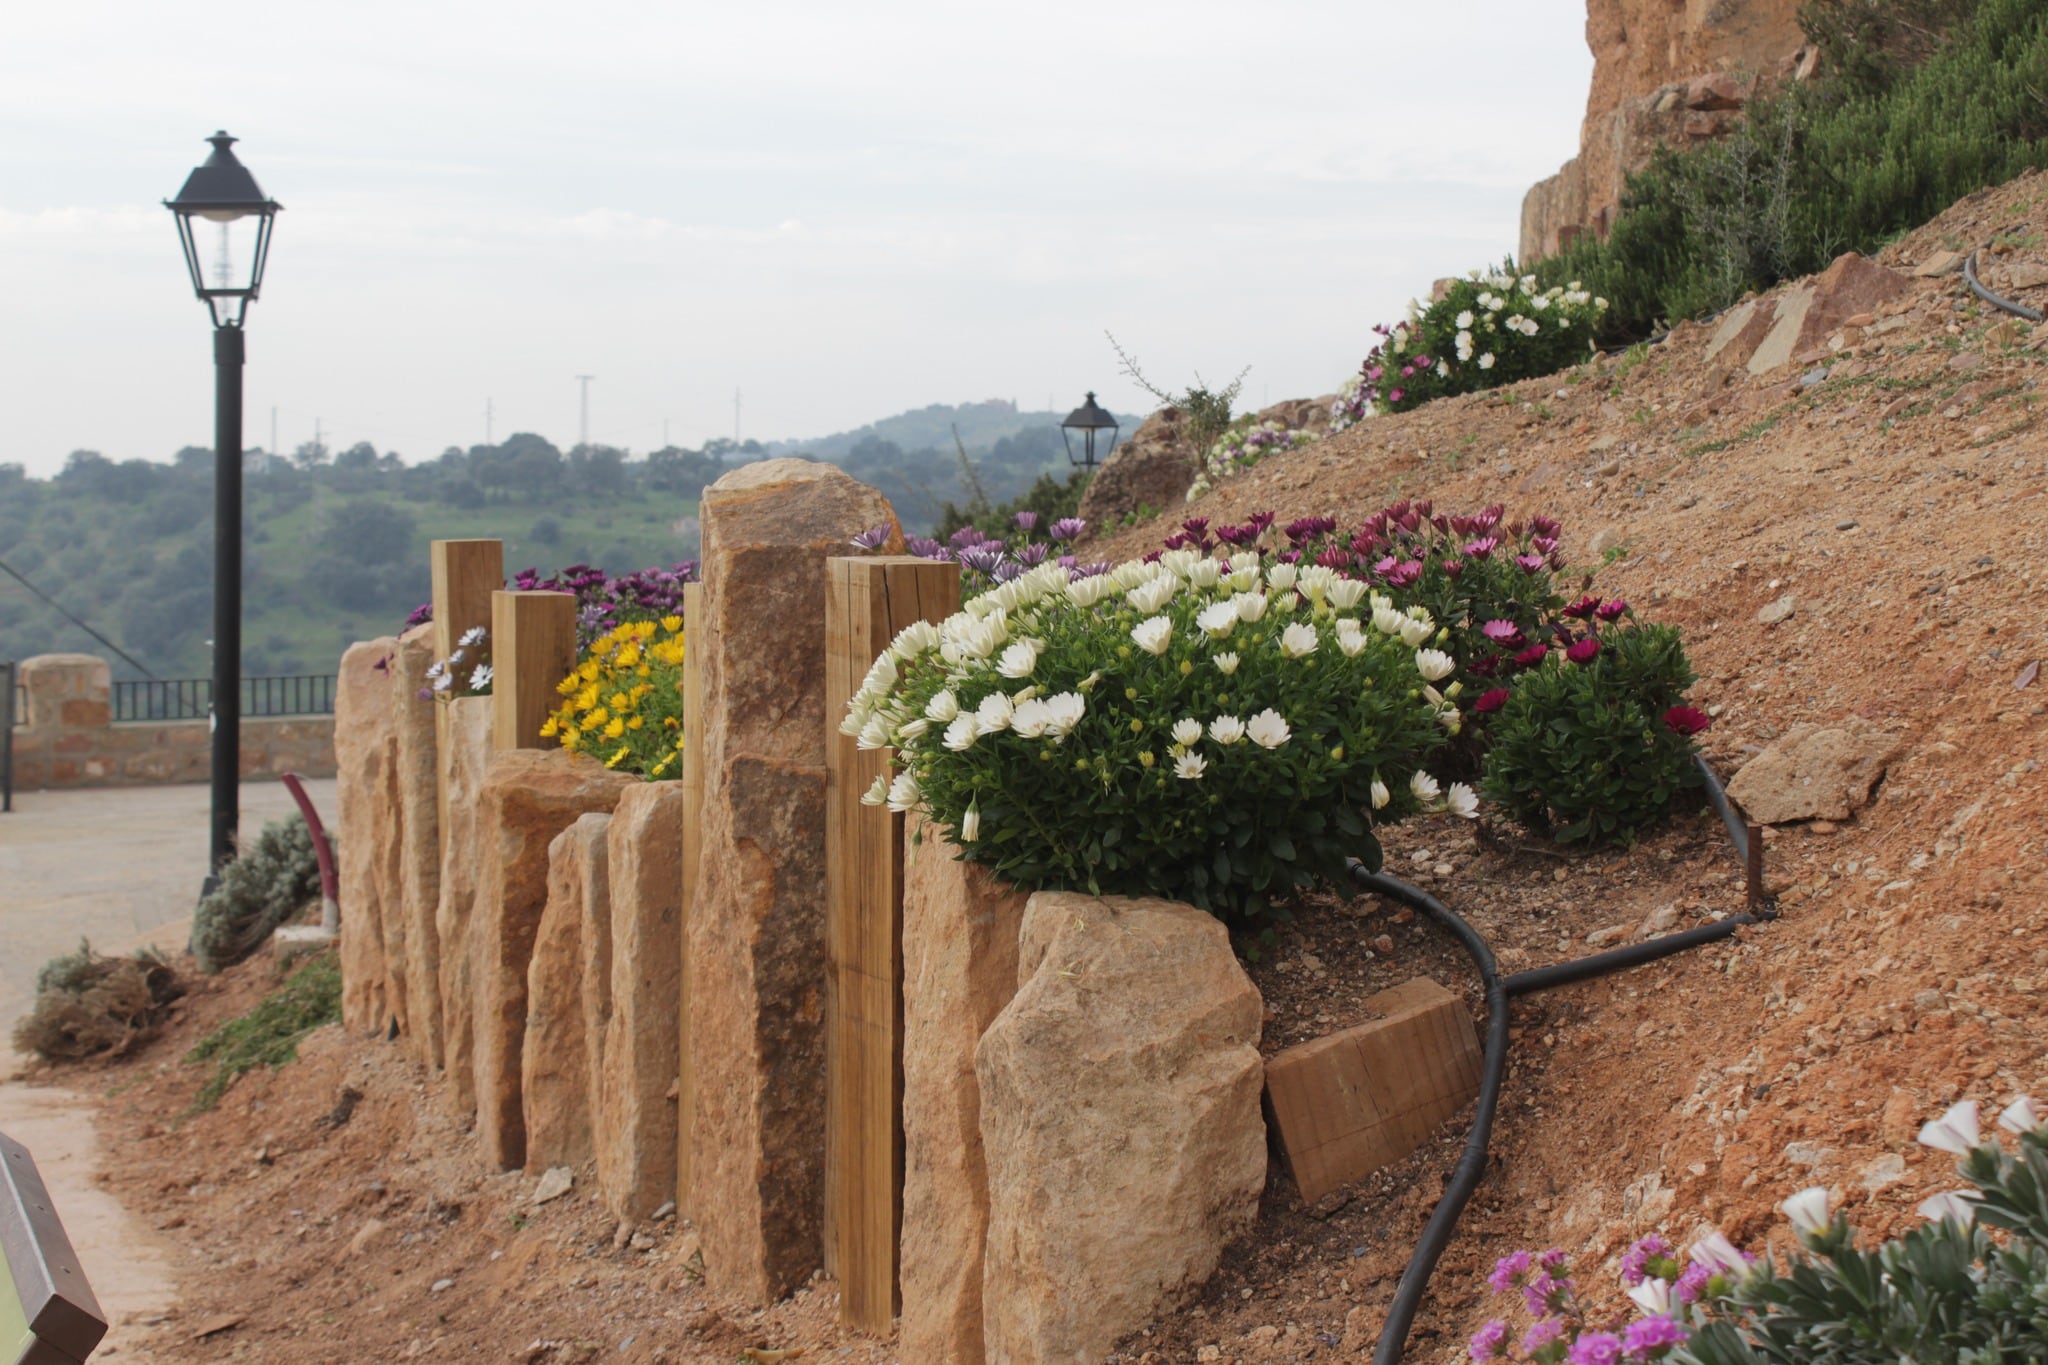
418	783
637	1085
465	756
528	797
363	756
960	931
555	1071
868	602
757	927
1120	1117
700	638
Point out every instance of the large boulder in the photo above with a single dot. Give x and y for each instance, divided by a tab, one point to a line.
1815	772
556	1080
465	756
1152	469
960	932
636	1095
1120	1117
756	932
416	783
365	759
528	797
1769	333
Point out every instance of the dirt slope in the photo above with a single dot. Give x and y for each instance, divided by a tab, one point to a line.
1899	503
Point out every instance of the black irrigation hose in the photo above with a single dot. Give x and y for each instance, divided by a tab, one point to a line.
1436	1234
1472	1165
2016	309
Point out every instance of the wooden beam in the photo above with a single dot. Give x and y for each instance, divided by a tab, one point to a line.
696	644
868	601
1362	1098
47	1311
465	574
533	647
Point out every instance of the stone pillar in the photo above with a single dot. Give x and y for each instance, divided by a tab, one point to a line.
67	692
365	758
756	932
417	785
1120	1117
464	757
555	1071
960	929
528	797
636	1109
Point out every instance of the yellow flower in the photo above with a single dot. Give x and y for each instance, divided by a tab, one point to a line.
550	727
567	686
571	739
615	729
587	698
615	759
672	624
619	701
588	669
597	717
635	723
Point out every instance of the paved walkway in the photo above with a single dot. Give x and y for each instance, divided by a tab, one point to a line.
122	868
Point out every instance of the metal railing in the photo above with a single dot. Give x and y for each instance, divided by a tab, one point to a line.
308	694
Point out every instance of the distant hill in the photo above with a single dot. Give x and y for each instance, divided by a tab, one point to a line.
336	543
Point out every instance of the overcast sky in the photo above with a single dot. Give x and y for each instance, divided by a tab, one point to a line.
841	210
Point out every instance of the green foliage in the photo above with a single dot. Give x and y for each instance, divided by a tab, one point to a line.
1928	100
1220	735
1943	1293
1201	414
1487	330
264	888
87	1004
1595	750
270	1034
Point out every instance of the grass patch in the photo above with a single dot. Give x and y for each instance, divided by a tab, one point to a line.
269	1035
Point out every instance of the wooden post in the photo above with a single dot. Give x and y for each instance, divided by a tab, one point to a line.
533	647
465	574
696	644
867	602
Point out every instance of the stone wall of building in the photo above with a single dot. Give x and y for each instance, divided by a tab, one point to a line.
68	737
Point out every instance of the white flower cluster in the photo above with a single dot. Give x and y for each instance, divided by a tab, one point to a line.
1242	447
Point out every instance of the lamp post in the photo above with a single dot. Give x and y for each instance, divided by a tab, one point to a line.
1088	422
224	224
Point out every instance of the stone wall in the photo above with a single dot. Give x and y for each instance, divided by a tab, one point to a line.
68	738
1676	71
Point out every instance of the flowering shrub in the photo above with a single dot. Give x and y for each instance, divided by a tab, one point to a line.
1486	331
1560	1327
1218	732
603	602
1352	404
1243	446
1942	1292
624	702
1593	740
986	560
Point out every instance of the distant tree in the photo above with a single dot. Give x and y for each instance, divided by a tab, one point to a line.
547	531
193	460
598	470
360	456
311	455
681	472
367	532
462	493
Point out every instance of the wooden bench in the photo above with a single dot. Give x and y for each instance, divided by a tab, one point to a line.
48	1315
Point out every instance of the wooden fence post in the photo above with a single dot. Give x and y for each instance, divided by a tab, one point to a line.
696	644
465	574
868	601
533	647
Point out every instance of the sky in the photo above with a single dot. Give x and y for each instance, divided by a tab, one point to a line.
840	212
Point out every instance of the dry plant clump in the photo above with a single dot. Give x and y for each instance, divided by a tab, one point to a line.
88	1004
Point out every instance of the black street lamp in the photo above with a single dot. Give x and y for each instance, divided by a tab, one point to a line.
224	218
1089	421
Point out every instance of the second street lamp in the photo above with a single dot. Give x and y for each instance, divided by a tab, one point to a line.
224	223
1088	422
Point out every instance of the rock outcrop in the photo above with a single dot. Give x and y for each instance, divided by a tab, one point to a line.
960	934
365	756
1120	1117
1663	71
528	797
557	1083
636	1093
1151	469
1793	325
756	931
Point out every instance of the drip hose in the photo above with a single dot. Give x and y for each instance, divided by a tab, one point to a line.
1472	1164
1471	1167
2016	309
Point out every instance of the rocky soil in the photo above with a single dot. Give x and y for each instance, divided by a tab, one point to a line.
1861	533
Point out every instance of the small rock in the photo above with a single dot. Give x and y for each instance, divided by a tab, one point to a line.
1384	945
369	1232
1928	1000
621	1235
1443	869
1209	1354
555	1182
1982	434
2026	275
1613	933
1962	362
1809	1153
641	1242
667	1210
440	1286
1888	1169
1688	501
1774	612
1611	467
1813	377
1846	524
1658	921
1262	1336
1894	408
1938	264
1822	827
